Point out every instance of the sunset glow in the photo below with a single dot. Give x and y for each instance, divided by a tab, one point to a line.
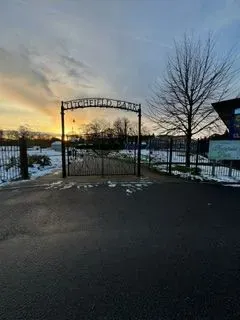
60	50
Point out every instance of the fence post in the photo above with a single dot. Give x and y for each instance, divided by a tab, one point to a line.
68	156
213	168
167	166
170	156
150	152
230	169
135	154
197	157
23	158
64	174
102	155
139	141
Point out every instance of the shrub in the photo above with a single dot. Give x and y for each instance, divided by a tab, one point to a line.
41	160
194	171
13	161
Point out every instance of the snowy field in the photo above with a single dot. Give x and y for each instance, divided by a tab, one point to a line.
38	171
157	159
10	171
9	163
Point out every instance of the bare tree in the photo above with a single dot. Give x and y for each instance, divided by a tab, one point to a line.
133	129
96	127
195	77
38	135
1	135
11	134
121	126
24	132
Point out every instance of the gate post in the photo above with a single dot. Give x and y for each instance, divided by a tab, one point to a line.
230	169
63	143
197	156
135	154
139	141
23	158
170	156
102	154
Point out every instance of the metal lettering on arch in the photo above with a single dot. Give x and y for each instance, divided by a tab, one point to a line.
100	103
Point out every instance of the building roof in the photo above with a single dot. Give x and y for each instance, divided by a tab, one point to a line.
226	108
55	143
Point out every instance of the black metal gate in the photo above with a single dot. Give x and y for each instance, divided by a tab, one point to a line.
123	165
103	156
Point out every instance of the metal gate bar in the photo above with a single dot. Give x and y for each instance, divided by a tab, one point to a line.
88	162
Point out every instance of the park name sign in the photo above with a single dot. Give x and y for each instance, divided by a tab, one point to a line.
236	124
100	102
224	150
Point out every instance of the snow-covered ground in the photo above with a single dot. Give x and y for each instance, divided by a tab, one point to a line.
159	156
9	168
9	173
37	170
159	159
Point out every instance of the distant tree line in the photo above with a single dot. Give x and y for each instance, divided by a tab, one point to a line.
34	138
121	127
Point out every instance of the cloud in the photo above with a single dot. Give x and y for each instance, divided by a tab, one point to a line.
57	50
78	72
41	81
16	66
73	62
12	110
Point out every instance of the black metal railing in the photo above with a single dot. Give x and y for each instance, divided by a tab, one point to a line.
170	156
13	160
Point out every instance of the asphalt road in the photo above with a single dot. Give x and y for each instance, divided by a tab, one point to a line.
167	250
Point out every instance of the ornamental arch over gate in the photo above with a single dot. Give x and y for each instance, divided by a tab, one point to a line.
100	103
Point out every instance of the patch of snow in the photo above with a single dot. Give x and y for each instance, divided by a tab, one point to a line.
56	162
232	185
126	185
36	171
206	174
56	173
54	185
157	157
112	185
67	186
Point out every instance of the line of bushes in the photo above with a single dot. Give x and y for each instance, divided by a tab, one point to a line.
193	171
41	160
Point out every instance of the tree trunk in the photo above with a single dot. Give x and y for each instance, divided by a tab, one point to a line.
188	150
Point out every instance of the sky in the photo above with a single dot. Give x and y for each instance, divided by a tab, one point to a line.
53	50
